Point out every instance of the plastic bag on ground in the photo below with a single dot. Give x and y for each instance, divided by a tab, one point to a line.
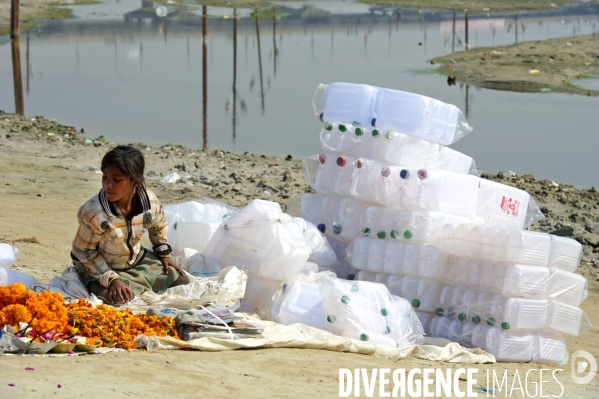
171	178
10	276
8	255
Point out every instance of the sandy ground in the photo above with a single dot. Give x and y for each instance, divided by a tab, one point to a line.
548	65
43	181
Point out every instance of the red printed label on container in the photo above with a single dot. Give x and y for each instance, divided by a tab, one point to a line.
510	206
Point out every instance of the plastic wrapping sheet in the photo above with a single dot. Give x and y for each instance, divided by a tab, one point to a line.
343	269
467	305
509	245
192	224
514	280
396	257
321	252
8	255
408	226
366	311
336	217
392	148
422	293
506	346
405	112
425	320
503	205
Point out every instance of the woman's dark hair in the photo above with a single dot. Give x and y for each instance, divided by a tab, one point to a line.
129	160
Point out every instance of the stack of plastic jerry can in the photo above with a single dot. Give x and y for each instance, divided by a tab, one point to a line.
416	217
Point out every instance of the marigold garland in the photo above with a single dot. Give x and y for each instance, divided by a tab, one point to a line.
113	327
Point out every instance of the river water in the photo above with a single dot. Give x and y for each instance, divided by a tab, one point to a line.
235	84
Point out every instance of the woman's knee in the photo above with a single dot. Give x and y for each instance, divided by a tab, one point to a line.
181	280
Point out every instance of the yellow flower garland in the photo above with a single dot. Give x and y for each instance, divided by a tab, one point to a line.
113	327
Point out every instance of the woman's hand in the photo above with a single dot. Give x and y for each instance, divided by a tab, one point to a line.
119	293
166	262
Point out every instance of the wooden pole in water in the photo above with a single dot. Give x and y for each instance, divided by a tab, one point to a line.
234	74
453	34
259	57
17	77
274	38
516	28
466	18
205	77
15	28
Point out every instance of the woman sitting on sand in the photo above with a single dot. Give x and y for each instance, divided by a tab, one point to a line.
107	251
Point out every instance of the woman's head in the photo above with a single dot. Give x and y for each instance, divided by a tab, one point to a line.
123	162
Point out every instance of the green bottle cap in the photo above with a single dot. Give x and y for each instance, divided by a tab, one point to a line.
345	299
328	126
439	311
381	234
390	135
175	226
364	337
384	311
376	133
342	127
450	313
394	234
331	319
366	231
407	234
416	303
505	325
226	227
462	316
476	319
491	321
387	330
355	288
359	131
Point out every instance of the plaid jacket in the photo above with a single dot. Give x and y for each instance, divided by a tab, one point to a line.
106	241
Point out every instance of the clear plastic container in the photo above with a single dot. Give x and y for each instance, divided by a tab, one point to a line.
403	225
392	148
565	253
401	111
336	217
515	280
503	205
368	312
302	304
395	257
496	243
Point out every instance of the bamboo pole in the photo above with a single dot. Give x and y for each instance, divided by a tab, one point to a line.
17	76
15	28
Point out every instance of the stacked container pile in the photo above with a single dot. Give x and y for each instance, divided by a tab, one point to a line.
416	217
